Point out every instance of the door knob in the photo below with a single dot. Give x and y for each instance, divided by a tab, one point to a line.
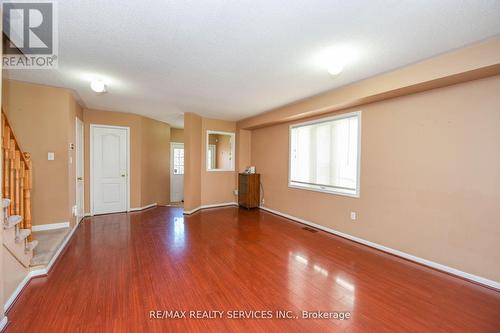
79	178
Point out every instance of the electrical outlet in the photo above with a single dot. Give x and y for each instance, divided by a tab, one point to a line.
235	192
263	201
354	216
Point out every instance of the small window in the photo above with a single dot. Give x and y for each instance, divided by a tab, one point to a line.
220	151
325	155
178	161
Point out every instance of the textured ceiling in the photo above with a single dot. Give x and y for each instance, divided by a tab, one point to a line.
234	59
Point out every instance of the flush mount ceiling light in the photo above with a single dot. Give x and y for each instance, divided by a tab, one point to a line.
335	68
98	86
335	59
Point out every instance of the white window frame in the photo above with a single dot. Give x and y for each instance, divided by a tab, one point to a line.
233	150
317	188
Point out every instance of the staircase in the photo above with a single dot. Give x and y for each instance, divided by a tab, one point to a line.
16	204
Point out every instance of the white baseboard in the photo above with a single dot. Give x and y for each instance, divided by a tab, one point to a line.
435	265
51	226
39	272
3	323
142	208
188	212
16	292
136	209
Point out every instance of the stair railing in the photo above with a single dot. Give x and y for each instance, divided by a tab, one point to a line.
17	176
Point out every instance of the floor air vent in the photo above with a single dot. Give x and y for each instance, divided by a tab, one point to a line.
310	229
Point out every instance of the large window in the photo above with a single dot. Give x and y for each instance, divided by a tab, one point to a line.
325	153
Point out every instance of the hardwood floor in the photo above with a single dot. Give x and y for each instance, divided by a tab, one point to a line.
118	268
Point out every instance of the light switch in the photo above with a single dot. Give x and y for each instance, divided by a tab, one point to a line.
51	156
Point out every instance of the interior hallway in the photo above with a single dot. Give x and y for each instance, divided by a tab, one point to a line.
118	268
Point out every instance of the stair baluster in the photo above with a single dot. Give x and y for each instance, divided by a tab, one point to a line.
17	184
17	180
6	161
12	153
28	185
21	189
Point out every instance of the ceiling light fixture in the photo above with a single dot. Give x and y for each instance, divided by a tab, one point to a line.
335	59
98	86
335	69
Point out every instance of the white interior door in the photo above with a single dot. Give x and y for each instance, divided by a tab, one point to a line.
176	172
79	171
110	159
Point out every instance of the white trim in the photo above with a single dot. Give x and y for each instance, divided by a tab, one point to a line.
172	144
16	292
188	212
351	195
79	122
425	262
136	209
3	323
233	150
357	193
92	126
39	272
142	208
51	226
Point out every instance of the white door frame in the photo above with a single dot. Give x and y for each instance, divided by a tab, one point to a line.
79	123
127	129
172	166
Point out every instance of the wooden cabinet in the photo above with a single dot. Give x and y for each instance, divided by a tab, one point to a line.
249	190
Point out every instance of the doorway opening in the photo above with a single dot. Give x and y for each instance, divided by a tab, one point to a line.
176	172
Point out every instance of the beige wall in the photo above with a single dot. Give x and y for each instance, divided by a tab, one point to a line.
216	186
116	119
222	150
149	156
192	161
430	179
177	135
202	187
155	162
243	149
14	273
42	118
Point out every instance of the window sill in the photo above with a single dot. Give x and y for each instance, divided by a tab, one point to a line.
346	193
